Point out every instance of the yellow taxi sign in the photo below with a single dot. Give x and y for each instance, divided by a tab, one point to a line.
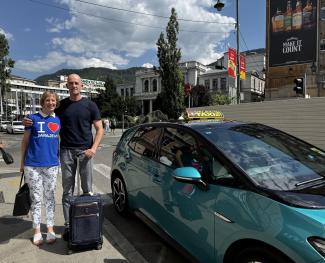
204	114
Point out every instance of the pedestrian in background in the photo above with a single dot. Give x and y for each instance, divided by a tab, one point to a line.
77	115
40	163
107	124
113	125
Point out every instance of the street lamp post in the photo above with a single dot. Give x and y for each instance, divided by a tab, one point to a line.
219	5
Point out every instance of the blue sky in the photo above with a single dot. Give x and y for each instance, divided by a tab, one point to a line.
48	35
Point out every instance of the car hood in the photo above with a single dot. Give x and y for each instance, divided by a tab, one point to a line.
305	198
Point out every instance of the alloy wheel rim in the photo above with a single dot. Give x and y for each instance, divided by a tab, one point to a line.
119	194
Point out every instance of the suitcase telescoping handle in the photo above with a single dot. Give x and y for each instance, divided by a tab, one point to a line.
78	173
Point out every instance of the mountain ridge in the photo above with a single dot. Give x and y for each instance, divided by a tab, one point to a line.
95	73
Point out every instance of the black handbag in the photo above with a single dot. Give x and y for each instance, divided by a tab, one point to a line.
22	200
7	157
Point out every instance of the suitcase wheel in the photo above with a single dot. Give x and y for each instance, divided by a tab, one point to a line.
99	247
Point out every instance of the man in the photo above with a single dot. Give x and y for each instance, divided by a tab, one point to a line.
77	115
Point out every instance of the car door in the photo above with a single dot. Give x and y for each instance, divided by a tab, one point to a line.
186	210
142	169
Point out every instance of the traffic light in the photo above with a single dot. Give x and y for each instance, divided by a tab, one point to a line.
299	88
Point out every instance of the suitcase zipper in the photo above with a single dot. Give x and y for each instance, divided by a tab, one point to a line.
87	204
86	215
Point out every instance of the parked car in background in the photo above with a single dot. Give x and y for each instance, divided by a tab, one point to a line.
224	191
15	127
3	125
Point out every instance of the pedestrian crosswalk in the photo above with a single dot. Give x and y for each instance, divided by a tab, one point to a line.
103	169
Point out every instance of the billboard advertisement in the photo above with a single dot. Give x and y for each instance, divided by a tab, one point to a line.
293	32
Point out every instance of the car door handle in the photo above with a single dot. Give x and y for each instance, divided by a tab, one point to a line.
156	178
127	156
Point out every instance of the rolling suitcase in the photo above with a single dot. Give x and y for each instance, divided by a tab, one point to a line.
85	219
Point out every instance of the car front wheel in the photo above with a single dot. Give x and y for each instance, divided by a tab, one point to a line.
260	255
119	195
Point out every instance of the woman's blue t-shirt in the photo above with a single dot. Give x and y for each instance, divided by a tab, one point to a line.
43	147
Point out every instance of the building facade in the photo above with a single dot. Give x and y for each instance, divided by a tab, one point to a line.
215	77
23	96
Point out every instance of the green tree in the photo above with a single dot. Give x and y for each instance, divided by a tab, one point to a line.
221	99
6	64
108	99
112	104
201	96
171	99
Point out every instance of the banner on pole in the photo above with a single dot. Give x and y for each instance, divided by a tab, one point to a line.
232	62
242	67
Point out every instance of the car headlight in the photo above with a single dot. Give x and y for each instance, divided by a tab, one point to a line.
318	243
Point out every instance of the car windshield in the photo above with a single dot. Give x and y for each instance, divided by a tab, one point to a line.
17	123
272	159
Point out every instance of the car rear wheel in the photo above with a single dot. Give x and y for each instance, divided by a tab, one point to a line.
119	195
260	255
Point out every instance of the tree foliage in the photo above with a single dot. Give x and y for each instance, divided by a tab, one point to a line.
201	96
6	63
110	103
170	100
221	99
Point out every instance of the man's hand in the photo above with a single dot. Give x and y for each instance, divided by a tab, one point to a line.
27	122
90	153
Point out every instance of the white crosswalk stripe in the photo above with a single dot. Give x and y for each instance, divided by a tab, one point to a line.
103	169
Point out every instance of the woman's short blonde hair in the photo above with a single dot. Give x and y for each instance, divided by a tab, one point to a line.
47	94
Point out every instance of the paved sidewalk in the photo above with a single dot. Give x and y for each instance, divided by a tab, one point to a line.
16	233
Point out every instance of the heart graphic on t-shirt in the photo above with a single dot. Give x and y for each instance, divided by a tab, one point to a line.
53	126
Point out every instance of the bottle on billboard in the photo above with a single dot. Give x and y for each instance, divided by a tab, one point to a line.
288	17
297	16
278	21
307	15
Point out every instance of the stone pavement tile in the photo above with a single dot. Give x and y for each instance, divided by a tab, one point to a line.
16	233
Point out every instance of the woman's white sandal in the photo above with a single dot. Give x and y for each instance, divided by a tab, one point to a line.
50	238
38	239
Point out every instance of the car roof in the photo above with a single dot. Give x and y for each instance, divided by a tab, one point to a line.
200	126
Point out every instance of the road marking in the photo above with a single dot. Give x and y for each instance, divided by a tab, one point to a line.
103	169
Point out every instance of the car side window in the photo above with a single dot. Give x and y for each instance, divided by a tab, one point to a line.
145	141
212	169
178	148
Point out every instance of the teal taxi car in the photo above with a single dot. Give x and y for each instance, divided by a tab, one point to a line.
224	191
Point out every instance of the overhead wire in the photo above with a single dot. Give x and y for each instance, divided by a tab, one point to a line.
112	20
254	61
154	15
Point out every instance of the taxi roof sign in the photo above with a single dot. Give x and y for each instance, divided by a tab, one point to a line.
204	114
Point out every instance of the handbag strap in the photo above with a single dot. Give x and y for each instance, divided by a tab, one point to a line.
21	179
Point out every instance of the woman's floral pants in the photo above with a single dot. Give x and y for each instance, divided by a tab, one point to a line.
42	181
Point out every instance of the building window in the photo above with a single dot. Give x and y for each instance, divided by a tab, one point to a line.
154	85
127	92
223	83
146	85
122	92
207	83
322	45
215	84
132	91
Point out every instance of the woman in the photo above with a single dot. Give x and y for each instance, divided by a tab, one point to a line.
40	163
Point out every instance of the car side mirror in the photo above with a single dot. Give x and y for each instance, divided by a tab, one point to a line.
190	175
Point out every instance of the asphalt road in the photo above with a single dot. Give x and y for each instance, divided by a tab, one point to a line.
143	239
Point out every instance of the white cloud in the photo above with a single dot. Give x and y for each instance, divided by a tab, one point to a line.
7	34
101	40
147	65
27	29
